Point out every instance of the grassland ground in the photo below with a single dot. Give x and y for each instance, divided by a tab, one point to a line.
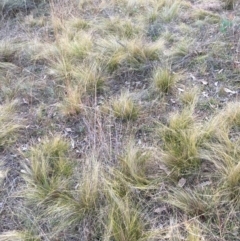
119	120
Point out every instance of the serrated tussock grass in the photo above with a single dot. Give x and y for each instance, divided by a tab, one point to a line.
78	24
229	4
186	144
76	47
129	53
49	176
8	51
181	49
133	165
47	169
124	222
163	79
182	138
194	231
72	101
190	97
9	124
91	78
124	28
185	139
170	10
18	236
83	201
132	173
198	202
124	107
225	155
69	53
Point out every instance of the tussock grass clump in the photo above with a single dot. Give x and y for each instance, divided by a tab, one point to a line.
78	24
192	202
11	7
91	78
231	114
206	16
194	232
32	21
47	169
124	107
45	52
229	4
166	10
61	68
3	175
8	124
223	150
141	51
5	67
123	28
65	56
190	97
8	51
91	183
129	53
220	125
50	177
133	167
163	80
181	49
75	204
170	10
225	156
76	47
18	236
182	139
113	51
134	7
72	101
131	174
124	223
